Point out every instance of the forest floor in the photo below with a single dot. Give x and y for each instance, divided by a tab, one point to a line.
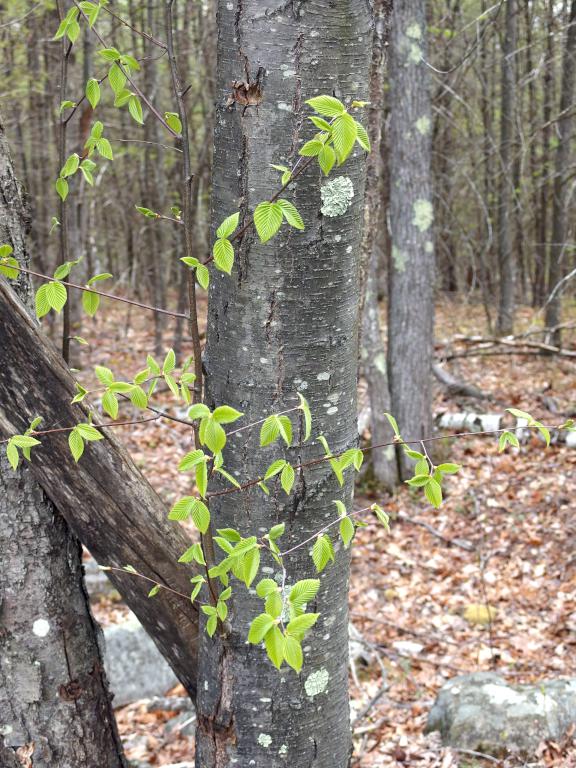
504	537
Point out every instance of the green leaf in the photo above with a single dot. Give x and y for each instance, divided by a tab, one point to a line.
70	166
198	411
293	653
93	92
322	552
346	531
24	441
311	148
448	469
228	225
138	397
291	214
41	302
109	54
259	628
304	591
419	481
274	642
104	149
285	429
276	531
110	404
12	455
214	436
224	414
173	121
10	268
182	509
203	276
505	438
149	215
169	362
76	444
326	159
275	468
193	554
273	604
320	123
135	108
154	591
520	414
362	137
266	587
104	375
381	515
116	78
301	624
62	188
90	302
326	105
221	610
230	534
287	478
344	133
191	460
267	219
89	432
269	431
305	408
433	492
223	253
200	515
56	295
211	625
393	424
251	566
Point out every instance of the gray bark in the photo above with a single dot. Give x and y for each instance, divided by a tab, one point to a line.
411	302
372	353
55	708
104	498
561	190
286	321
505	321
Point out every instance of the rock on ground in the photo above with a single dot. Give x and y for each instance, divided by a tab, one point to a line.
135	667
482	712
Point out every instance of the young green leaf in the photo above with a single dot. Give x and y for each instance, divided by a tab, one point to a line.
228	225
259	627
224	414
322	552
293	653
287	478
93	92
267	219
291	214
76	444
304	591
274	643
135	108
326	105
223	253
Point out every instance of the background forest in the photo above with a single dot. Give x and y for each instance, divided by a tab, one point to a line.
488	581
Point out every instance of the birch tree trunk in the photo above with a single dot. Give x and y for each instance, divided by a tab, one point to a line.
411	302
55	711
286	322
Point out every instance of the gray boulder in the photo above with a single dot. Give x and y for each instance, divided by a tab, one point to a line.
484	713
135	667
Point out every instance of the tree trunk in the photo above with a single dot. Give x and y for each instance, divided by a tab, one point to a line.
561	191
55	708
372	353
505	322
104	498
411	303
286	321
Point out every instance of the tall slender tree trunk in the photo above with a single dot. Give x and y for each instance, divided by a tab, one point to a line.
372	352
55	711
411	302
505	322
560	207
286	321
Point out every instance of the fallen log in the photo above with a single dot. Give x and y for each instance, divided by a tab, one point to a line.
104	498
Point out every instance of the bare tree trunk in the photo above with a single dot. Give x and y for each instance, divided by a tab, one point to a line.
372	353
505	321
55	709
411	302
287	321
560	207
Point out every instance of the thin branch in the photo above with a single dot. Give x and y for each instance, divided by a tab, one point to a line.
105	294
